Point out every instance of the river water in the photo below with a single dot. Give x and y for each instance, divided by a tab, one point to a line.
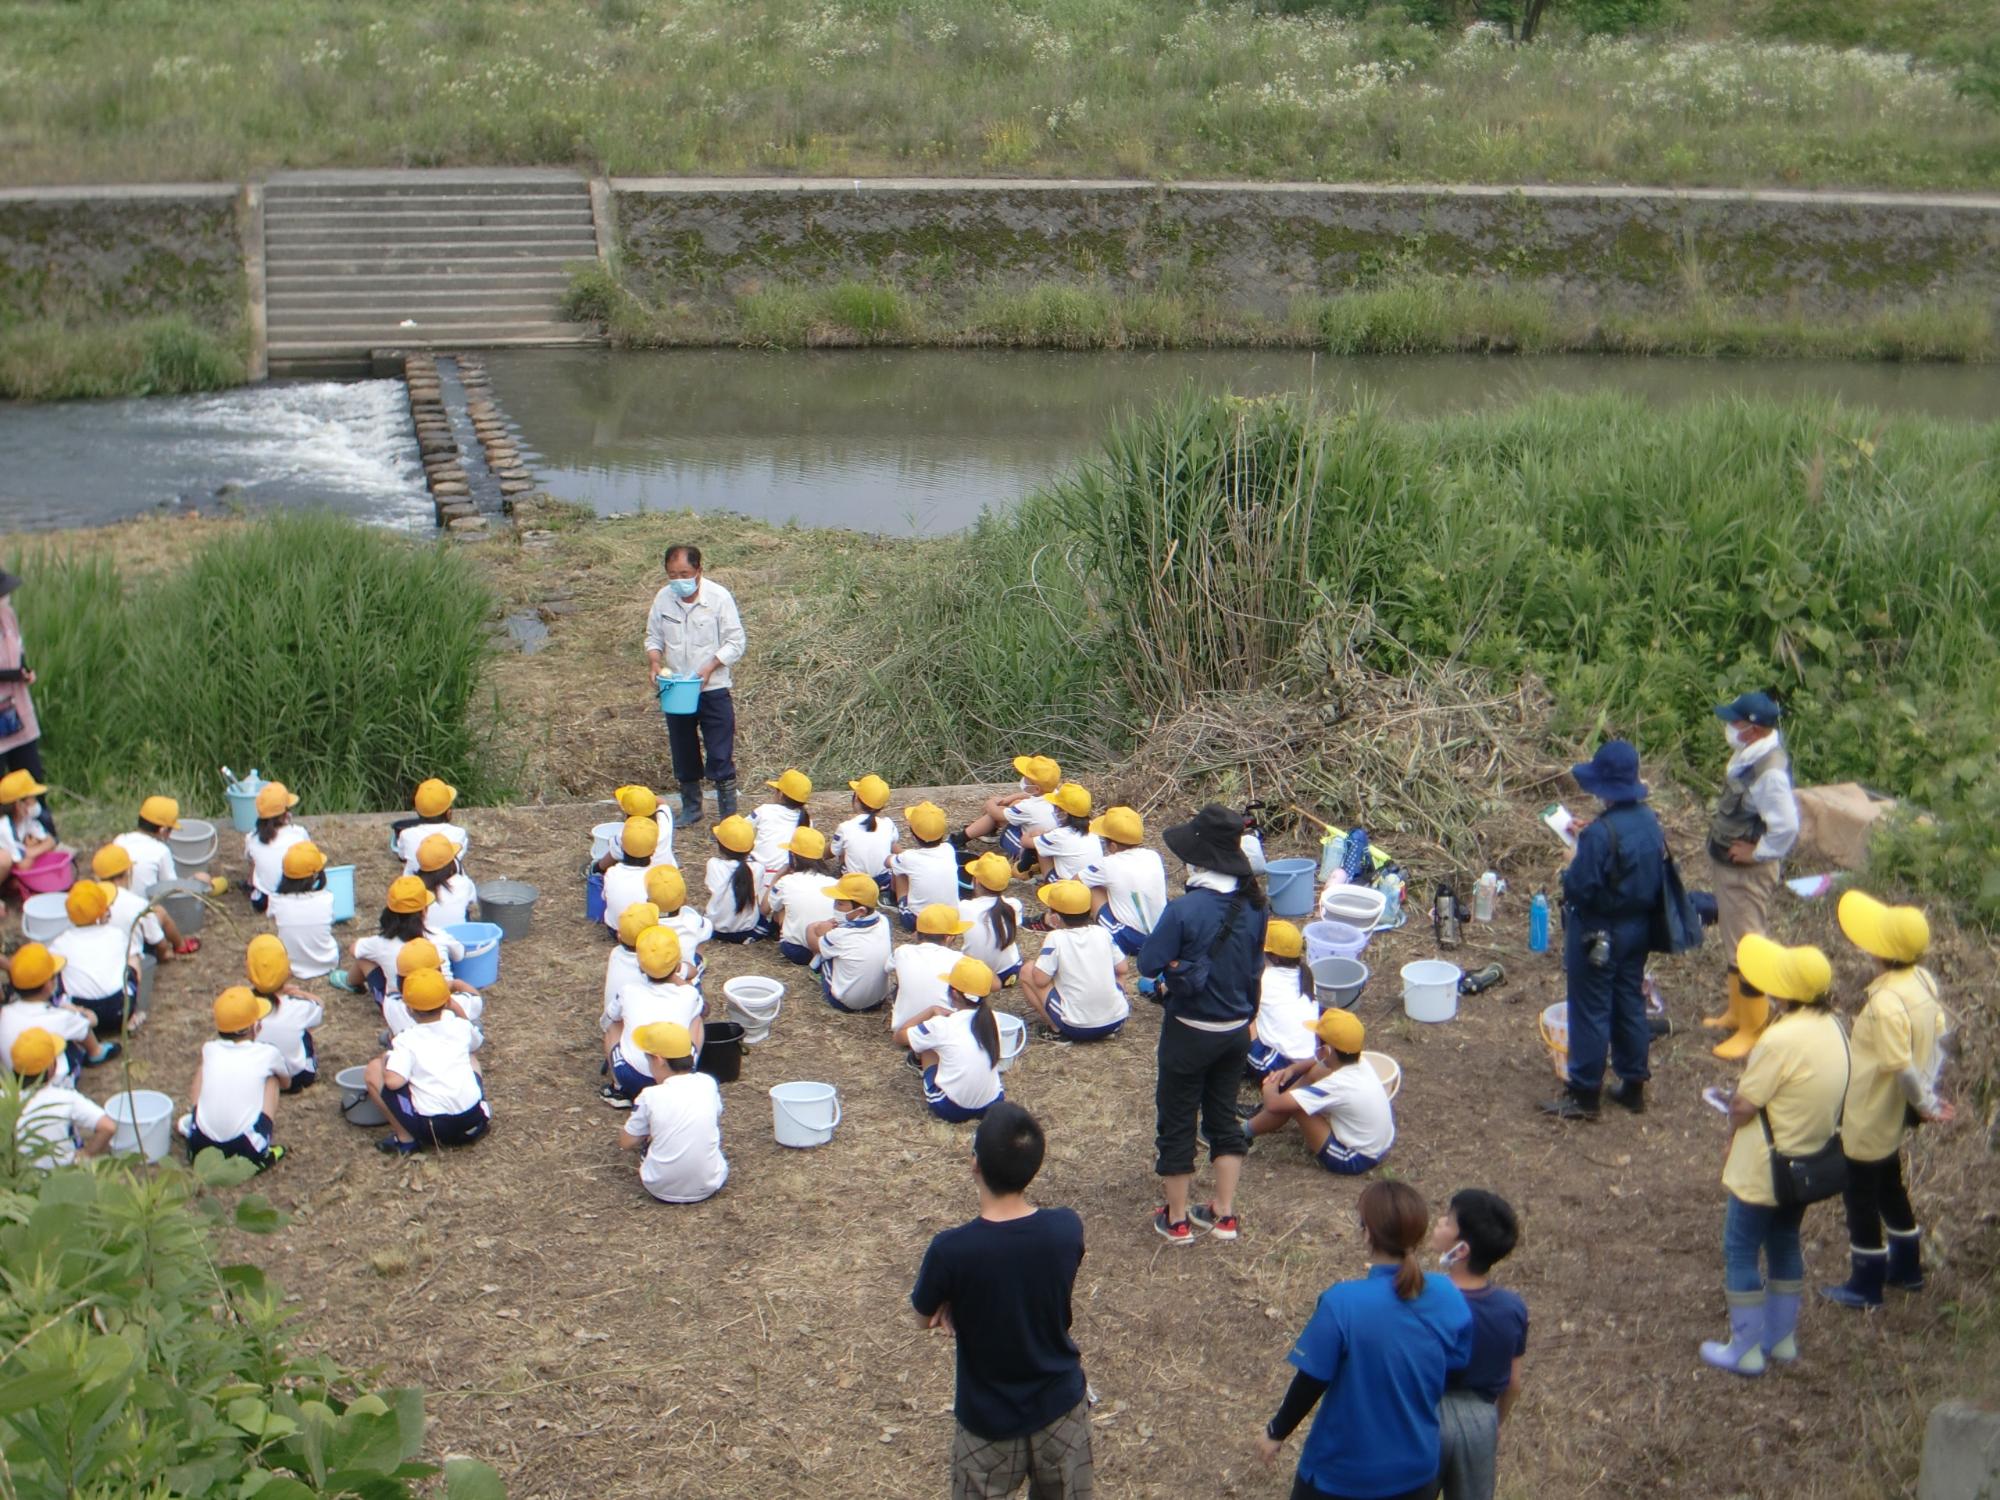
891	441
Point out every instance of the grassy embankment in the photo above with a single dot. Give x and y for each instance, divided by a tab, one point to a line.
63	360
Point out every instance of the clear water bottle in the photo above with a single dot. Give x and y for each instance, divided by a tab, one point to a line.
1538	923
1485	894
1392	909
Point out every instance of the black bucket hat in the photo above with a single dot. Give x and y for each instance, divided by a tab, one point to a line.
1212	839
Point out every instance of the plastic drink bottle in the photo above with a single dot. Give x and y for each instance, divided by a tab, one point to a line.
1538	923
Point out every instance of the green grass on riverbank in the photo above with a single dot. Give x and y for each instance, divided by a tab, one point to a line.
1300	89
57	361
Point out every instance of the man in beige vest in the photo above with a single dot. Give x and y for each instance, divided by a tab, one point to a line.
1756	822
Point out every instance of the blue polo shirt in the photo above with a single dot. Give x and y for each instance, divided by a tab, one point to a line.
1384	1361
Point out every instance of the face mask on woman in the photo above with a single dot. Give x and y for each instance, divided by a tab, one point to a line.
684	588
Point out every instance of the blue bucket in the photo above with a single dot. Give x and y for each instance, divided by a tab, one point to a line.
340	883
593	897
481	964
242	797
680	695
1290	882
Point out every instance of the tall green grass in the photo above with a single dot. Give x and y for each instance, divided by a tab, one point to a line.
340	659
60	361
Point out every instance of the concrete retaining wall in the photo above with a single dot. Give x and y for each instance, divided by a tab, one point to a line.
110	254
1263	245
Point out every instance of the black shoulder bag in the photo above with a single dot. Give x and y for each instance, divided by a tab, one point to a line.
1183	979
1799	1180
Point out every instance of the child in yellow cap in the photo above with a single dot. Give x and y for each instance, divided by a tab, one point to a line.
661	993
625	879
1075	982
99	973
432	802
678	1120
926	873
641	802
429	1083
236	1084
778	819
666	888
1898	1051
622	968
442	871
797	898
153	861
1286	1010
1335	1098
131	913
26	834
56	1124
1128	884
734	885
34	1000
1067	848
294	1015
374	961
862	845
851	948
918	970
1023	811
302	910
957	1045
265	845
413	958
995	916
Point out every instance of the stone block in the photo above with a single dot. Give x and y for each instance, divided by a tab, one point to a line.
1961	1452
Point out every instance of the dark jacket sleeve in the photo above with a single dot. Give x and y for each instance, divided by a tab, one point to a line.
1589	877
1163	943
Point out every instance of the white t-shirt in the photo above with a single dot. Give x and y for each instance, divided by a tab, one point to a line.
60	1021
267	861
624	885
1083	961
53	1119
152	860
693	927
644	1003
285	1028
1032	815
1356	1105
131	915
854	957
98	958
920	970
861	850
451	902
663	851
724	915
621	969
681	1119
932	872
1134	882
798	900
436	1058
979	941
232	1086
411	838
397	1018
775	824
382	952
304	920
965	1074
1285	1017
1067	851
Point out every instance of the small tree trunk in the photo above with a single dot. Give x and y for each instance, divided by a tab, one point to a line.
1531	18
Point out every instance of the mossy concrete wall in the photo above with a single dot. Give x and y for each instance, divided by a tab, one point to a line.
1262	245
94	255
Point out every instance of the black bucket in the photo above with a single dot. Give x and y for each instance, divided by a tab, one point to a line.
722	1051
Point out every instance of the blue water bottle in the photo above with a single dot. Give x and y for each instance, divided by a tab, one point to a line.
1538	923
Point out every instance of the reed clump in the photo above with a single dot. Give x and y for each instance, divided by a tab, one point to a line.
54	360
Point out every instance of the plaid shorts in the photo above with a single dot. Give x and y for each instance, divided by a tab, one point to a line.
1054	1462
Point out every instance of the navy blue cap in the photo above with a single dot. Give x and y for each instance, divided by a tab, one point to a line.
1612	774
1751	708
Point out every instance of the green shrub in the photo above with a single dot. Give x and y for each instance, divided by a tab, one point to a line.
593	295
58	361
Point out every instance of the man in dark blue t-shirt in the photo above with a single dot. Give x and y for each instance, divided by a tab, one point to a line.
1002	1285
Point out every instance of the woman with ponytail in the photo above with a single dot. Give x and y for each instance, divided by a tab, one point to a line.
958	1045
1373	1359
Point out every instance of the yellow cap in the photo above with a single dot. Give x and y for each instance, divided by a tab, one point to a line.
1341	1030
666	887
1072	799
640	837
1900	934
1070	897
35	1052
161	812
941	920
1120	824
659	952
434	798
807	843
435	852
861	890
237	1009
272	799
408	894
871	791
635	920
991	871
1283	939
305	859
736	834
418	953
1799	975
1044	774
18	784
927	821
426	990
88	902
110	862
664	1039
794	784
267	963
32	967
972	976
637	801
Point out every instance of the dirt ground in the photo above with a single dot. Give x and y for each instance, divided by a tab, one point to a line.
594	1343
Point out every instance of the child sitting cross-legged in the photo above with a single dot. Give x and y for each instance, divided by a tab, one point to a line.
734	883
1336	1100
643	802
265	845
927	872
236	1084
1129	884
797	899
957	1045
995	916
1282	1035
920	968
302	910
153	861
440	868
131	913
414	957
622	968
99	973
1068	848
293	1014
431	804
56	1124
428	1083
678	1120
662	993
1074	982
34	1003
864	843
666	888
625	879
851	947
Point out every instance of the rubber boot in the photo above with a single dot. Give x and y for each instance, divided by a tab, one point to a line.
1744	1353
1572	1103
1863	1287
1628	1094
690	803
1750	1024
1781	1321
1906	1260
1732	1014
725	798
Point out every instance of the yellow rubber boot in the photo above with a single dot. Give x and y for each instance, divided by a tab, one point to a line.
1750	1024
1732	1016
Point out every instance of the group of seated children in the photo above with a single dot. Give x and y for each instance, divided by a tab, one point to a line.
663	990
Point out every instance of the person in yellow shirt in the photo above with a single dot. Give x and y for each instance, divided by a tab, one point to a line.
1898	1046
1788	1100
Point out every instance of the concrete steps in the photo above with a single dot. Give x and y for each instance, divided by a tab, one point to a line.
459	260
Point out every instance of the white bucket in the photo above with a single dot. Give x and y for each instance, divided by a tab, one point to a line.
45	918
1430	990
753	1002
605	838
144	1121
1387	1069
1013	1038
1356	905
804	1114
355	1105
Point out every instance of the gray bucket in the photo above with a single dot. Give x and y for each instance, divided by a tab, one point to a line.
509	905
148	967
181	900
355	1105
193	845
1337	982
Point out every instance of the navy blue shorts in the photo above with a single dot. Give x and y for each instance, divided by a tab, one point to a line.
942	1105
627	1079
1071	1033
437	1130
798	953
253	1145
826	993
109	1013
1129	939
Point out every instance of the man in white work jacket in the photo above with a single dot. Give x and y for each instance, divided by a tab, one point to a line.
695	631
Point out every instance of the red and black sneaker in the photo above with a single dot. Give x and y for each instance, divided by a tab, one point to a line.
1174	1234
1222	1226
